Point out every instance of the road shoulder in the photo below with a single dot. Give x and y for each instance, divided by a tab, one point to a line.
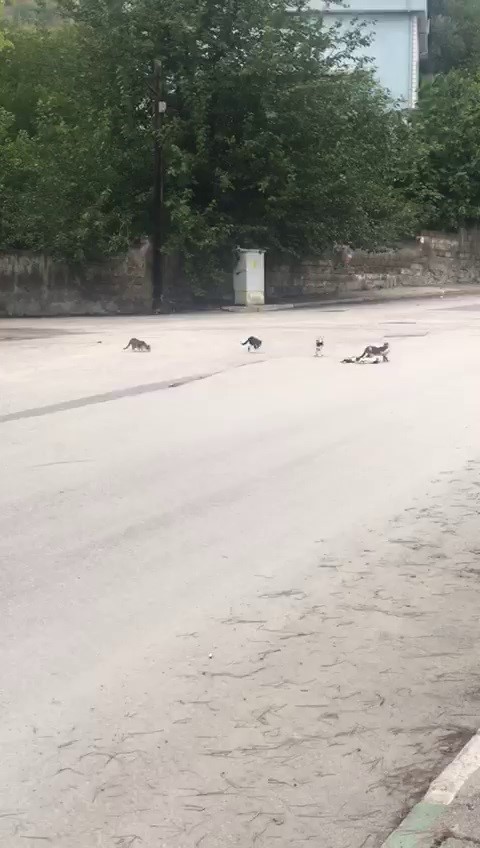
449	814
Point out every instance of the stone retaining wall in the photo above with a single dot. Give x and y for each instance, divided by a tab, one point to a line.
435	259
34	285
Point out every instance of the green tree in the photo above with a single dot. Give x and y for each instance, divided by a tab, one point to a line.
70	187
269	140
454	35
447	127
31	11
275	135
3	40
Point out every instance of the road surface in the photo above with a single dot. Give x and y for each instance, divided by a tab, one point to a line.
239	592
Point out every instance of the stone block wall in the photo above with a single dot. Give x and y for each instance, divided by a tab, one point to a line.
434	259
34	285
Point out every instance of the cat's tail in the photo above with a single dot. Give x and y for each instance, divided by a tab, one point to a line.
245	343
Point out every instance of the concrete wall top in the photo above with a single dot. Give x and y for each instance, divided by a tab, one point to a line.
416	7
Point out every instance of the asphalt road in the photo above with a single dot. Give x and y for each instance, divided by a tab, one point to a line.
239	592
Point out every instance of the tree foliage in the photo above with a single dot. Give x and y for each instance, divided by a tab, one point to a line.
32	11
3	40
275	136
454	35
447	130
70	186
446	125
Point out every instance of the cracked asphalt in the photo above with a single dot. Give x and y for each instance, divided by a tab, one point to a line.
239	592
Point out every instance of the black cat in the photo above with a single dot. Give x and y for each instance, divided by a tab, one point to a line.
252	342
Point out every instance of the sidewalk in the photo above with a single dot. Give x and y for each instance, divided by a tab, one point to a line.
460	827
369	296
449	814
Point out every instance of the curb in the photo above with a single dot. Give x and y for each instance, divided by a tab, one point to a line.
418	829
377	297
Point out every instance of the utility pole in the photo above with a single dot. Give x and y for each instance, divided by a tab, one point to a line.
159	107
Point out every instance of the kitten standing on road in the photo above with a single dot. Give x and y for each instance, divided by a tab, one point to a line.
252	342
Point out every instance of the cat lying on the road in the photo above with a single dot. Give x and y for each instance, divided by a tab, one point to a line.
372	355
355	360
